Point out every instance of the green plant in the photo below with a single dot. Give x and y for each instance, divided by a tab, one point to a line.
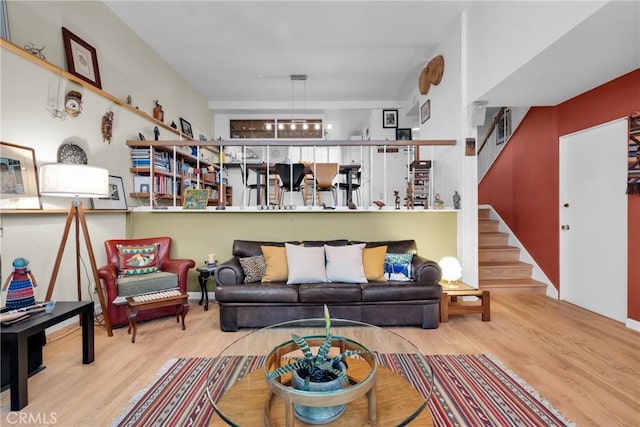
319	367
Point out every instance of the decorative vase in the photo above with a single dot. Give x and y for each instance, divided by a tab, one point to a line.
318	414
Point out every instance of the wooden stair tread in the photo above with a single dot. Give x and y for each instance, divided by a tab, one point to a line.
509	282
499	265
498	248
515	264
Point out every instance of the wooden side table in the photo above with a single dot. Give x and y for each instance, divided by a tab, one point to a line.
449	303
205	272
156	300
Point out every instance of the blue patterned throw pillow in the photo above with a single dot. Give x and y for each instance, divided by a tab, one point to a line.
398	267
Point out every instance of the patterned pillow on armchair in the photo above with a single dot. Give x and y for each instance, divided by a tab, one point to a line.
137	259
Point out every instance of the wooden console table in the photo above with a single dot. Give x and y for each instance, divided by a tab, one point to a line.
156	300
449	303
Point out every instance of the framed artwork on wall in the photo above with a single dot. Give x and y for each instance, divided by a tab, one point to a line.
389	118
116	198
82	60
403	134
186	127
425	111
503	127
19	185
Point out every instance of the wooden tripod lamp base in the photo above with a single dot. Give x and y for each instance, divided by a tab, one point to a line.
72	180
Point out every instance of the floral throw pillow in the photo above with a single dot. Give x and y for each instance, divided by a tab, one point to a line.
137	259
254	268
398	267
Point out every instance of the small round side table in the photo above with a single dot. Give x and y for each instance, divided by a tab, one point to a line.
205	271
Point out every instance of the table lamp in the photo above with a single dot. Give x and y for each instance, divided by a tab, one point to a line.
451	269
75	181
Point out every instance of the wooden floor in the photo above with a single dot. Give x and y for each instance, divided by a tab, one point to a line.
586	366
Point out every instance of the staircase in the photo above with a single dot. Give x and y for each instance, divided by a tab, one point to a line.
500	269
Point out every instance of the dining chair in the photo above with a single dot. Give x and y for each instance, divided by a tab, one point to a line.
356	176
324	175
250	187
291	177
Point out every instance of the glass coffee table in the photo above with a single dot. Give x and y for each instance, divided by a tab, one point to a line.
381	393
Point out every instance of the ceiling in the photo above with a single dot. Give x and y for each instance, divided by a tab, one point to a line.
357	55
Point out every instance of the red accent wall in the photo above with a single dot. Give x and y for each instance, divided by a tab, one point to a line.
523	183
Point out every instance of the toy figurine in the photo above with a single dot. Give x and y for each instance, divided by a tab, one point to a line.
158	114
456	200
409	195
396	194
21	283
437	202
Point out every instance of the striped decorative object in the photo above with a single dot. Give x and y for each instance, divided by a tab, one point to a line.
470	390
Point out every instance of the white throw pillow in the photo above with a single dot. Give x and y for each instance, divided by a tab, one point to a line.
306	265
344	263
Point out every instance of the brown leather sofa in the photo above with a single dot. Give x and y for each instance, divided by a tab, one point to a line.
392	303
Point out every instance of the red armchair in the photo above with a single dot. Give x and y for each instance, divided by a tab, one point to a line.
109	276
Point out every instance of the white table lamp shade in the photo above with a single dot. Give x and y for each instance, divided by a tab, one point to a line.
451	268
71	180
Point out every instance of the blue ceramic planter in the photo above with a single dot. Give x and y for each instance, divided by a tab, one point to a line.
314	414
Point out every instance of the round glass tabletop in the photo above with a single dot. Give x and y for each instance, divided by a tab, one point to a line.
390	380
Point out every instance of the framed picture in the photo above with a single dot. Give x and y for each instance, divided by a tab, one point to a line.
403	134
19	185
116	198
82	60
503	127
203	137
195	198
425	111
389	118
186	127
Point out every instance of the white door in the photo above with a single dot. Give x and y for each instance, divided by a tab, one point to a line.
593	219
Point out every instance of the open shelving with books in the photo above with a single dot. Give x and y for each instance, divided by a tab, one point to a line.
163	173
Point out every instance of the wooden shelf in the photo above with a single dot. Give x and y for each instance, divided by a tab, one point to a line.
55	69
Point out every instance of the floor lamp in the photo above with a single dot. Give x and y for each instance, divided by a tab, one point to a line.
74	180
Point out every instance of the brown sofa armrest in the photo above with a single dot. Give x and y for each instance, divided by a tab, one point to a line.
230	273
425	270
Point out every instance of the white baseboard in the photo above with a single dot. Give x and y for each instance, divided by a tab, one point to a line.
633	324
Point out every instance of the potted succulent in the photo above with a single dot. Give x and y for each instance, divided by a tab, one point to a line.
317	372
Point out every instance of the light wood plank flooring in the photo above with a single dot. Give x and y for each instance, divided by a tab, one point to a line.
587	366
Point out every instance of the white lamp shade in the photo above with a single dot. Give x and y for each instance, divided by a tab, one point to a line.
71	180
451	268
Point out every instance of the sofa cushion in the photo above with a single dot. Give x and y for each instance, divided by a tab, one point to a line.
329	293
399	291
258	293
275	259
253	267
247	248
322	243
152	282
398	266
396	246
373	262
305	265
137	259
344	264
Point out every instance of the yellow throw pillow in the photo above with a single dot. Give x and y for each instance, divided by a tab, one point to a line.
373	262
275	259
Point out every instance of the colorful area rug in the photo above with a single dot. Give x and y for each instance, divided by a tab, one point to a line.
469	390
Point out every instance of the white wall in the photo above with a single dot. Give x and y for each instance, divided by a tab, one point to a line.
503	36
127	66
